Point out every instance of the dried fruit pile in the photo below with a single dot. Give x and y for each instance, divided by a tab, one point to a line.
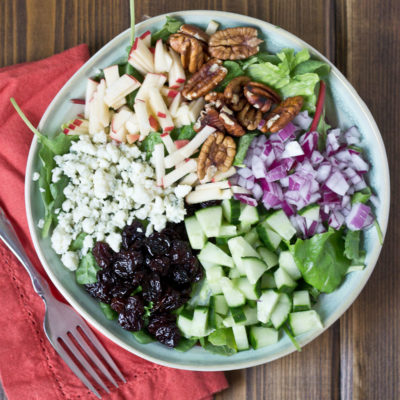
148	279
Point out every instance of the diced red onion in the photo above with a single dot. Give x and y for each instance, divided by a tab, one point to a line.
358	217
337	183
292	149
257	191
359	163
245	199
275	174
245	172
352	136
303	120
316	157
375	201
287	132
258	167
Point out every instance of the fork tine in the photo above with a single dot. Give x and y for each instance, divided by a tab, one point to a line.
74	368
96	360
84	363
91	336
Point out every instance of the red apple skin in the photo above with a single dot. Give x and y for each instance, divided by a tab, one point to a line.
161	115
181	143
153	123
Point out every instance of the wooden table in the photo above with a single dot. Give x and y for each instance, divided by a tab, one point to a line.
358	357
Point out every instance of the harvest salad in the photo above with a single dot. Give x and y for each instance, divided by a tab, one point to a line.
201	196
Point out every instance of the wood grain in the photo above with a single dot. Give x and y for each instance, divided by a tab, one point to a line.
358	357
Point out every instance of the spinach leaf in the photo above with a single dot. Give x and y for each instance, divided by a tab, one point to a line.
224	350
242	147
361	196
186	344
87	270
142	337
321	260
186	132
108	311
172	25
148	143
234	70
77	244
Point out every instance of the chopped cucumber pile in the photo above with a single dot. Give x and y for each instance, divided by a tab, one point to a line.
253	289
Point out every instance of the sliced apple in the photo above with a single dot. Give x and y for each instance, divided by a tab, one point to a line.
176	74
162	60
190	179
142	55
142	116
91	87
168	142
111	74
132	138
155	126
151	80
158	160
219	176
195	108
178	173
219	185
146	38
190	148
212	27
200	196
135	64
119	136
160	110
174	106
180	143
119	89
132	125
183	115
120	118
240	190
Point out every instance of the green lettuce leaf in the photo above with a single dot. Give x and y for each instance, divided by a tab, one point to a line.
186	344
108	311
186	132
242	147
142	337
321	260
171	25
302	85
319	67
276	76
361	196
87	270
352	245
148	143
234	70
77	244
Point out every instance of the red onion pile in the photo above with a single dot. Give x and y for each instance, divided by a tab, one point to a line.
286	171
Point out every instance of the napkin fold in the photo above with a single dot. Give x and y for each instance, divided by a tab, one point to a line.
29	366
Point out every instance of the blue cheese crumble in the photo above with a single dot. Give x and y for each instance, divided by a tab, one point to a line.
110	186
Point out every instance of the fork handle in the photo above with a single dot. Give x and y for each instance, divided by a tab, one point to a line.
10	238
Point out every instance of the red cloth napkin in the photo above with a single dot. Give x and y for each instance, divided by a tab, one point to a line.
29	366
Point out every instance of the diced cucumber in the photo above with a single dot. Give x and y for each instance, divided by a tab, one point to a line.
238	314
187	313
207	265
185	326
240	334
214	273
304	321
215	287
301	300
251	237
231	210
233	296
262	337
199	321
251	318
210	220
243	228
281	310
227	230
249	215
240	248
254	268
201	295
286	261
257	244
215	321
310	212
235	273
197	237
270	239
266	305
280	223
251	291
284	281
268	281
220	304
213	254
269	257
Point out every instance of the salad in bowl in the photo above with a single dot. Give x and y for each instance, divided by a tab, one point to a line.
199	194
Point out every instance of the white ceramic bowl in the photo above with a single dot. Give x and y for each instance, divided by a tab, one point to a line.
344	109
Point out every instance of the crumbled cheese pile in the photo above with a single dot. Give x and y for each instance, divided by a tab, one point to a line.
110	185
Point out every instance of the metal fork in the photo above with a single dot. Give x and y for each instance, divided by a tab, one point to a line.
62	323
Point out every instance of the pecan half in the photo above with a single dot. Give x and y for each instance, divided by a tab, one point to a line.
204	80
219	151
249	117
194	31
234	89
212	97
231	125
260	96
210	116
190	49
234	43
283	114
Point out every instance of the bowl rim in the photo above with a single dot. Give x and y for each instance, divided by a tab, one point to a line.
228	364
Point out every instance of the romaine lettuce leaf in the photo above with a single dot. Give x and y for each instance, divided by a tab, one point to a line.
171	25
